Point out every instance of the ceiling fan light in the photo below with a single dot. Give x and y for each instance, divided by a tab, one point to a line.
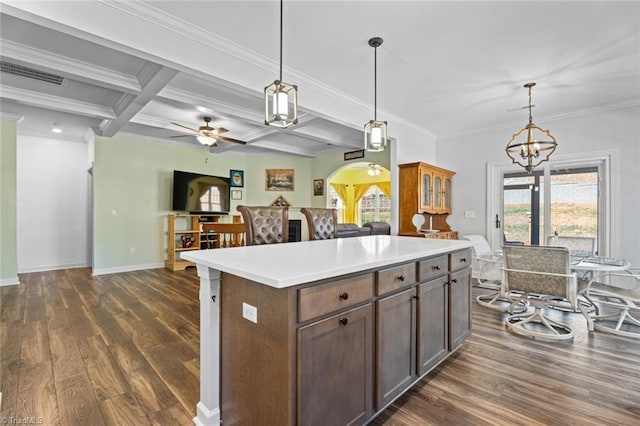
206	140
375	136
281	104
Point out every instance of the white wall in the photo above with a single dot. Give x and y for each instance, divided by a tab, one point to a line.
615	131
51	204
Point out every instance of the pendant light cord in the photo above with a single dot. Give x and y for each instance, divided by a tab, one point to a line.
281	40
375	83
530	117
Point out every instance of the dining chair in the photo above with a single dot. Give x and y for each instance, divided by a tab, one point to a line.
540	276
578	246
265	224
322	223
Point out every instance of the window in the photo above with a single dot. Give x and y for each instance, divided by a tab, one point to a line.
375	206
210	200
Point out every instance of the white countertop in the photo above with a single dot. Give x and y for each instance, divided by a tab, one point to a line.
285	265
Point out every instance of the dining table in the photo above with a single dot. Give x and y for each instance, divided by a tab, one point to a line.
601	306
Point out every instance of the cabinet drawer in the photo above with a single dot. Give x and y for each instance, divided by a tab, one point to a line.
396	277
325	298
460	260
434	267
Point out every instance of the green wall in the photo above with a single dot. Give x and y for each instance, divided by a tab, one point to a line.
8	215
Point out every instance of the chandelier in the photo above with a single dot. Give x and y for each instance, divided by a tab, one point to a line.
375	132
280	98
536	148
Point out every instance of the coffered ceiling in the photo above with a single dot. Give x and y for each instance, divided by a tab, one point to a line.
445	68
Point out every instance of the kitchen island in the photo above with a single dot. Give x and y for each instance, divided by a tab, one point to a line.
325	332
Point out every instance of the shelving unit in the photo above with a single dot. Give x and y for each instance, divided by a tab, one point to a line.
186	232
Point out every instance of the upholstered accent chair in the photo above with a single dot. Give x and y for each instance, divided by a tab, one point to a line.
322	223
540	276
265	225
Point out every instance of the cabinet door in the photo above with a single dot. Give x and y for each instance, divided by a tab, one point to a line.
335	369
459	307
426	182
433	319
395	363
446	195
437	192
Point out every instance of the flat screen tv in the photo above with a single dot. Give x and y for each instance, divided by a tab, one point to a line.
200	194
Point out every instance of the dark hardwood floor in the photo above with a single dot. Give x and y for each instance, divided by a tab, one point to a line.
122	349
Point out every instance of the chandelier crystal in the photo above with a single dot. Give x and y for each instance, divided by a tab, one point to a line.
532	145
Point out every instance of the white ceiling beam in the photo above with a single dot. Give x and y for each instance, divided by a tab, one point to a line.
281	147
57	103
153	78
69	67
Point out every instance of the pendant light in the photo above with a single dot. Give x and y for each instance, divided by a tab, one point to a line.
538	146
375	132
280	98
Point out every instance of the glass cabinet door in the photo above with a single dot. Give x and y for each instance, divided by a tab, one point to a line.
426	190
437	192
447	194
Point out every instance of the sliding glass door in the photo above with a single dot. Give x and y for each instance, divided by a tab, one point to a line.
556	199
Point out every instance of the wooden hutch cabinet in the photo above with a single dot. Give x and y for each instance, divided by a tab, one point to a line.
425	189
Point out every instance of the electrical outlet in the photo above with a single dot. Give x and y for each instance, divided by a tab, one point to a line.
114	212
250	312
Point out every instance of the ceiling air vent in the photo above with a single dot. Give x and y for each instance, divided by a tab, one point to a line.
31	73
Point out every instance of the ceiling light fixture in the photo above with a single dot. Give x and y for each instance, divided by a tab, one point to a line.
375	132
280	98
373	170
206	140
536	148
56	128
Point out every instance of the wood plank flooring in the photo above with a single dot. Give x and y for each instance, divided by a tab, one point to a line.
122	349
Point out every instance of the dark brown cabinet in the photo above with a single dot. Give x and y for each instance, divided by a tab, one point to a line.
459	307
433	323
396	337
335	369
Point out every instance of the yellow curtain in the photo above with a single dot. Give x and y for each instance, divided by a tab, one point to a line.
352	209
385	187
341	189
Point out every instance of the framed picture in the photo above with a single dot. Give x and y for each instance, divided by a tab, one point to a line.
279	179
236	194
237	178
318	187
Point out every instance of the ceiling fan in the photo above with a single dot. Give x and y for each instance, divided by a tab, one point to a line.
208	135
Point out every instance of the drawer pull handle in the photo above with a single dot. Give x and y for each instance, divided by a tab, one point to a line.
401	277
463	260
344	295
435	267
454	281
344	321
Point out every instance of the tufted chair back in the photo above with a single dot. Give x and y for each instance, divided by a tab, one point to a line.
323	223
265	225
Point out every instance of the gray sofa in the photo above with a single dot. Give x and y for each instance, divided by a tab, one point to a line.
346	230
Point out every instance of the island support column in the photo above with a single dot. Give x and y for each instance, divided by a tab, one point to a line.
208	408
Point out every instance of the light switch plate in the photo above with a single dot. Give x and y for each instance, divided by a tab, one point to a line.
249	312
469	214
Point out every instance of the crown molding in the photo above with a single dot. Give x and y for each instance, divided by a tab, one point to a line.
57	103
67	66
9	116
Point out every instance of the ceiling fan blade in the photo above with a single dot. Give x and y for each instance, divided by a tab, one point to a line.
226	139
183	136
220	130
189	128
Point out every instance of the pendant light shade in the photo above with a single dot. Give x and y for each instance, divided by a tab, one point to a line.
532	145
280	98
375	131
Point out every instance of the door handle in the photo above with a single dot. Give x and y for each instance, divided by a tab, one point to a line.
497	222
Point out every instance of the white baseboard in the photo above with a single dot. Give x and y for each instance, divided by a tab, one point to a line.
9	281
43	268
128	268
